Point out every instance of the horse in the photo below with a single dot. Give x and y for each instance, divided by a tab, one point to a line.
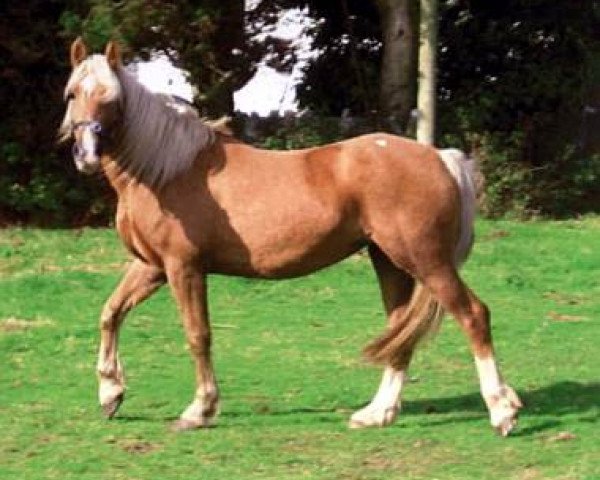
195	201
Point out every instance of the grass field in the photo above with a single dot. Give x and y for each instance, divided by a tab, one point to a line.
287	356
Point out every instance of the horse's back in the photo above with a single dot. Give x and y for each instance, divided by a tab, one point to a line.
354	181
396	170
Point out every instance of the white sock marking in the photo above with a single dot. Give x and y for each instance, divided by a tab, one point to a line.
489	376
390	388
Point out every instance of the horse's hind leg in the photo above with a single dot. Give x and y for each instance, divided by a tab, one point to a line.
396	289
138	283
474	318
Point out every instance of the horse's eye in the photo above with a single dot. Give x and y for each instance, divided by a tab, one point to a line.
96	127
70	96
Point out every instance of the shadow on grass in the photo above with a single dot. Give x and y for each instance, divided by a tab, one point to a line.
560	398
125	418
556	400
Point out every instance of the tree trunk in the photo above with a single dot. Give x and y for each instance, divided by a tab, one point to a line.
398	65
223	71
426	96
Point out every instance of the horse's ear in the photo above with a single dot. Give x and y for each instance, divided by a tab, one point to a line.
78	52
112	52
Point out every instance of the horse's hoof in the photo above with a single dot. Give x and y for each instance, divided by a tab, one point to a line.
506	426
184	424
356	424
110	408
504	411
373	417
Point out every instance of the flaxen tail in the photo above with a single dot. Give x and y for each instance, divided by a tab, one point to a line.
424	313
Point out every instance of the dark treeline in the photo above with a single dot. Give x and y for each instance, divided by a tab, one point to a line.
519	87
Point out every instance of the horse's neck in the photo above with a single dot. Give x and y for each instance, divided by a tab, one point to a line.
118	177
153	141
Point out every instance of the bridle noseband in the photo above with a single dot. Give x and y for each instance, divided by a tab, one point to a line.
95	127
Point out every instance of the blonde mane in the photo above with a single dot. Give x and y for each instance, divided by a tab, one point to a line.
154	140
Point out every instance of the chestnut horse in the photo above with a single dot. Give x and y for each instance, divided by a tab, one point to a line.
194	201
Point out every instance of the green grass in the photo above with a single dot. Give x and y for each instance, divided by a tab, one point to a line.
287	356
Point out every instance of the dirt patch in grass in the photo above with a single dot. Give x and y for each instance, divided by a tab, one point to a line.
13	324
561	437
565	298
134	446
89	268
562	317
530	473
495	235
137	447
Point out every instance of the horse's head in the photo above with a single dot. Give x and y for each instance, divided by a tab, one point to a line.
92	94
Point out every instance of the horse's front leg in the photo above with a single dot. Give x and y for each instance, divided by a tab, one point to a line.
138	283
189	288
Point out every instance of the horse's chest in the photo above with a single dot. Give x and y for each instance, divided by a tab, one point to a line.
136	238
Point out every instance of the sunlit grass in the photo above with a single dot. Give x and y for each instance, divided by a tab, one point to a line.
287	356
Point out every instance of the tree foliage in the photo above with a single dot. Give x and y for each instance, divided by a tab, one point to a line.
516	79
366	62
347	36
36	183
519	83
206	38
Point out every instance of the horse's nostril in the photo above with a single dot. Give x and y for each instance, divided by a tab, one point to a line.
76	151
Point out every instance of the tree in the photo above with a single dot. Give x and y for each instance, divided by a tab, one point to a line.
517	81
515	78
427	93
206	38
346	35
397	83
367	57
35	182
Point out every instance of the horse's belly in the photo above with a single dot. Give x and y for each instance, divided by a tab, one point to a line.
287	253
295	264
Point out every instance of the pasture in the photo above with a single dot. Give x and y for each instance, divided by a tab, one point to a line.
287	392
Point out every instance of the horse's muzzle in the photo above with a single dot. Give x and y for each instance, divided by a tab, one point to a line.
86	162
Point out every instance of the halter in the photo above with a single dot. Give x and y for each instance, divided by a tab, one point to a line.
94	125
96	128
